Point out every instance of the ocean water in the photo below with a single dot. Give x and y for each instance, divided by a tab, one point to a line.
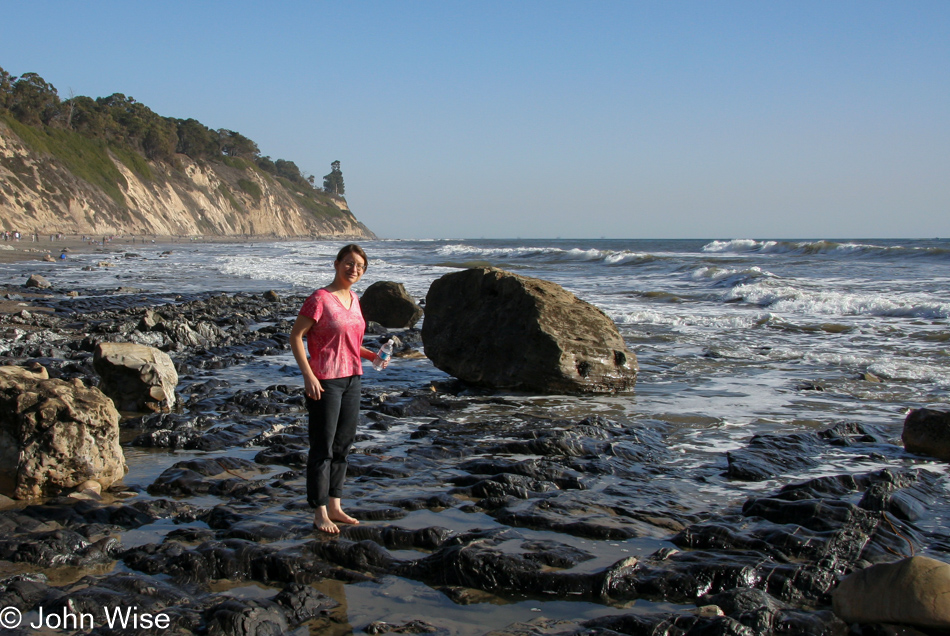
733	338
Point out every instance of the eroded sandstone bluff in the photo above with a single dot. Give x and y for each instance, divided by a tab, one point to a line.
40	193
768	564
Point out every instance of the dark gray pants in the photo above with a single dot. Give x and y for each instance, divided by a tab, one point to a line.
333	420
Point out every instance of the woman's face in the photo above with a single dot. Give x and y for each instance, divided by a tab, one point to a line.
351	268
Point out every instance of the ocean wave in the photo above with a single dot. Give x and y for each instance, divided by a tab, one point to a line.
629	258
727	277
555	254
824	247
789	299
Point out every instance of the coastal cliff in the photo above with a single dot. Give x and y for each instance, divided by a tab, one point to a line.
56	181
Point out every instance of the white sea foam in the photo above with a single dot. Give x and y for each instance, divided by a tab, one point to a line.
908	370
678	319
796	300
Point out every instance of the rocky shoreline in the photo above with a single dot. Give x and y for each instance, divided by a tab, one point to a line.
550	501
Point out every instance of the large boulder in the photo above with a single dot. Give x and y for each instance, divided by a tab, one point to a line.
927	431
136	377
38	281
390	305
913	591
497	329
55	435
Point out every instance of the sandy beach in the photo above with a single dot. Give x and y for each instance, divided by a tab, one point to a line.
27	250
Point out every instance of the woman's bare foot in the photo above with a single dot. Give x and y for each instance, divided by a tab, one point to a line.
323	523
335	513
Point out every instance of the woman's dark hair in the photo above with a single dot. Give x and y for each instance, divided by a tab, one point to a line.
353	248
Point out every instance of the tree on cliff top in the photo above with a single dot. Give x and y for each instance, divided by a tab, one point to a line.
124	123
333	182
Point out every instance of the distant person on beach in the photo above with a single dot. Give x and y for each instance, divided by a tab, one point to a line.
332	322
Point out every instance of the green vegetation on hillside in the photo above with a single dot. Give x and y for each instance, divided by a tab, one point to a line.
86	158
81	131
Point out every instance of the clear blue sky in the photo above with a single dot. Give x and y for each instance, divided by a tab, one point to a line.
808	119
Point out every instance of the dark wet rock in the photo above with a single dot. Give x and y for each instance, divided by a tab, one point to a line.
396	538
423	500
475	560
768	456
216	439
204	475
377	513
597	440
543	337
535	469
361	556
58	548
190	535
282	455
209	388
696	624
26	591
362	465
302	603
503	485
815	530
902	493
389	304
927	431
406	406
93	594
263	532
274	399
411	627
235	559
234	617
574	514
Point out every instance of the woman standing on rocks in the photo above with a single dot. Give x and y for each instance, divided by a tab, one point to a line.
333	324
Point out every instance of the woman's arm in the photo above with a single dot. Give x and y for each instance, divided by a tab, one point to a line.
311	385
371	356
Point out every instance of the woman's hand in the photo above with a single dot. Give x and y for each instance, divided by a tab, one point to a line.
379	362
312	387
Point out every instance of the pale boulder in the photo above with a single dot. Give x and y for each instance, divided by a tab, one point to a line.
38	281
137	377
914	591
55	436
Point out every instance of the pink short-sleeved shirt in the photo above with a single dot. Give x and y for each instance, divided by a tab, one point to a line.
334	340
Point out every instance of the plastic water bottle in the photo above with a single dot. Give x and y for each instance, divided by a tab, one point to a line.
384	352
